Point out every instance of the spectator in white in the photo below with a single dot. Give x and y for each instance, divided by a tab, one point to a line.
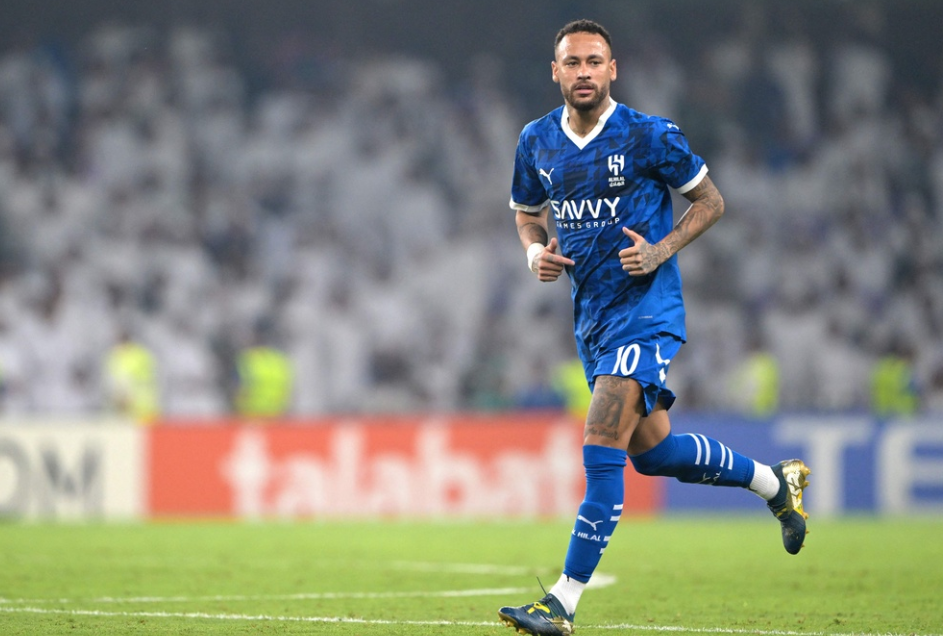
860	70
191	386
795	63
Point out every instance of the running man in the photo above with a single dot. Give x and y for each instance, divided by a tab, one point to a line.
604	171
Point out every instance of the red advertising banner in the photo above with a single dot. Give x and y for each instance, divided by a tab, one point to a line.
411	466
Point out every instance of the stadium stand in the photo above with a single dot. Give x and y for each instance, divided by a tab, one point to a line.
149	179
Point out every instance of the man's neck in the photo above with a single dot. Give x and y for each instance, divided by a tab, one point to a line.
583	122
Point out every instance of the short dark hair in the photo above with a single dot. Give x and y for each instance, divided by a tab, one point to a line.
583	26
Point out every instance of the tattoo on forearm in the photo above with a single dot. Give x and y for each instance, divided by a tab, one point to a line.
533	232
706	208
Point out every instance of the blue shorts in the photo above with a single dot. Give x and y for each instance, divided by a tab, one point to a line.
645	361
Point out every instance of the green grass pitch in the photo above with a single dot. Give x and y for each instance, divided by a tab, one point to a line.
713	575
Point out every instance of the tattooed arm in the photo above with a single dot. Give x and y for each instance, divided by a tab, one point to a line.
706	208
532	227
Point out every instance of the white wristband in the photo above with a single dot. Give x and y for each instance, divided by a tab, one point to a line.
533	251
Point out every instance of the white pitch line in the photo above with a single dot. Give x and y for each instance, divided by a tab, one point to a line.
303	596
233	617
497	591
365	621
600	580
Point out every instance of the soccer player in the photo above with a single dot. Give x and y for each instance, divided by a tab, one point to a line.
604	171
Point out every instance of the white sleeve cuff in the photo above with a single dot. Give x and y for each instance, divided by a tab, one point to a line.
532	209
690	185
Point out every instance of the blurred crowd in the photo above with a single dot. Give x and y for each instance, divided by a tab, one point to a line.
352	216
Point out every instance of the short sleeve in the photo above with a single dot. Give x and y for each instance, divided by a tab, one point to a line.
675	164
527	192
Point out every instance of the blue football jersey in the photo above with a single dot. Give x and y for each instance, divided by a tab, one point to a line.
617	176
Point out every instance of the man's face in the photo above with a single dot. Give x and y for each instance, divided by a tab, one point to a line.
584	69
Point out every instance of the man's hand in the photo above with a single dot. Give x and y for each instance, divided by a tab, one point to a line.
643	257
706	208
547	264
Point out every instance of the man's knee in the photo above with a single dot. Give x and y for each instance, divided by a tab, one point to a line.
657	461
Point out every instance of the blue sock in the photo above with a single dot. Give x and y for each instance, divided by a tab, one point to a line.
696	459
599	512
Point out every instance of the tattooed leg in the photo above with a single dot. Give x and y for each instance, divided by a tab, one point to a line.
614	412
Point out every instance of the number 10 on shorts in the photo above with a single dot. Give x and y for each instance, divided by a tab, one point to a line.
623	356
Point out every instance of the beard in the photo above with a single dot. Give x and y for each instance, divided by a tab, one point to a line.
585	104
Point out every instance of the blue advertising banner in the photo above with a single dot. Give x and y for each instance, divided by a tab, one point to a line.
859	464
